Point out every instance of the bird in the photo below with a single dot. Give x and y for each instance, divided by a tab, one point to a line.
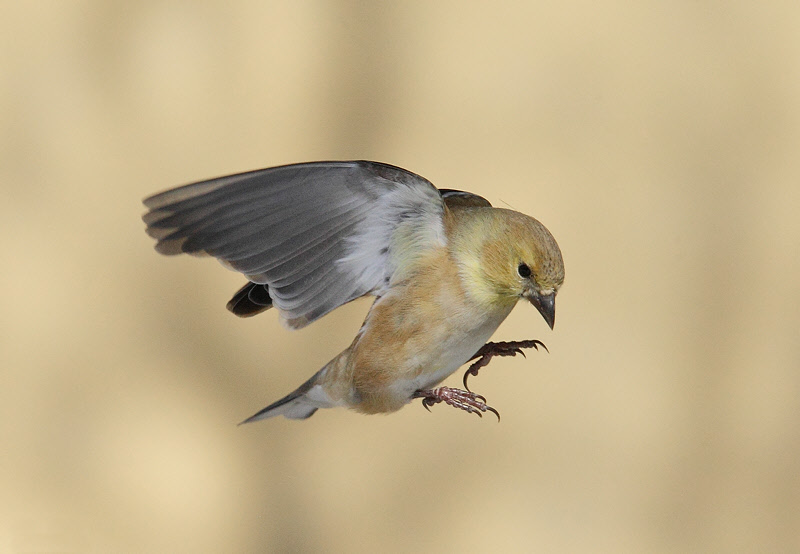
444	266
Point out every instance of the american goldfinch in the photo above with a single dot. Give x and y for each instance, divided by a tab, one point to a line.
444	266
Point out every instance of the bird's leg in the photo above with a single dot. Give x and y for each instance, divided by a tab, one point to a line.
491	349
468	401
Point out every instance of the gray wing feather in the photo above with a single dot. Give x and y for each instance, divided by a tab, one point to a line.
318	234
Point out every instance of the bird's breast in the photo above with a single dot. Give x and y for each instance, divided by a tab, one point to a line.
417	335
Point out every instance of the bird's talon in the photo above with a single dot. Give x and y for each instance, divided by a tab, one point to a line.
486	352
468	401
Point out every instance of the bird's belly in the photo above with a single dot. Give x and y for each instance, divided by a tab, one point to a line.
414	338
450	354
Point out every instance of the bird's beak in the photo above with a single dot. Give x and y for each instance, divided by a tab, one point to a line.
546	304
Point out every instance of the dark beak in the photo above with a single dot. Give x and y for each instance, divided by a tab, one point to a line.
546	304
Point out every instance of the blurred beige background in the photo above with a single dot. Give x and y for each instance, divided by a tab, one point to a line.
659	142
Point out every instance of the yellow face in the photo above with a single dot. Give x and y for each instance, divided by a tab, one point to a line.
506	256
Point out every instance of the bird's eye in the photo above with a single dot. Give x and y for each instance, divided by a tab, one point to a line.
524	271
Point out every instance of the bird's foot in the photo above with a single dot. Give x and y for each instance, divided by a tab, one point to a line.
468	401
492	349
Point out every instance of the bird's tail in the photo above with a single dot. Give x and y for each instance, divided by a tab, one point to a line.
295	405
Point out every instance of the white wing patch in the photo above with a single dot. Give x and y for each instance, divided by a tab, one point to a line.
403	224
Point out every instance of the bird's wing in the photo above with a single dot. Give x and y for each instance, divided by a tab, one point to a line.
318	234
462	199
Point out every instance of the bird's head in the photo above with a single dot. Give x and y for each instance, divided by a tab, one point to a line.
517	257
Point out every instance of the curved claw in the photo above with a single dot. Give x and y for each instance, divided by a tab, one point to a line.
491	349
468	401
466	375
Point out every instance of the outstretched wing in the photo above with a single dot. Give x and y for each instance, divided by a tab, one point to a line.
318	234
